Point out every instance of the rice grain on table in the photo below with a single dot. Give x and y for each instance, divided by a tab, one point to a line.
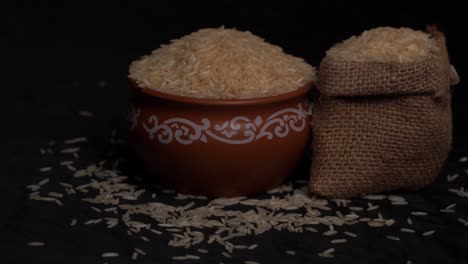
69	150
395	198
375	224
447	210
323	255
330	233
227	255
451	178
75	140
33	187
55	194
428	233
141	252
390	222
393	238
375	197
339	241
253	246
105	188
110	254
221	63
179	258
407	230
45	169
419	213
44	181
350	234
34	194
463	221
36	244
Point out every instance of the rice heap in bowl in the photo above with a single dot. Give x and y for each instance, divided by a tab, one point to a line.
221	64
386	44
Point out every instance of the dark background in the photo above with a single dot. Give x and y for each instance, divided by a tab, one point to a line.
64	57
56	54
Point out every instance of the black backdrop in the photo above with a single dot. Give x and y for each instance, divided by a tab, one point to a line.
64	57
51	46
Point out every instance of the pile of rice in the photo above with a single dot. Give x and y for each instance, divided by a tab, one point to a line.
386	44
222	64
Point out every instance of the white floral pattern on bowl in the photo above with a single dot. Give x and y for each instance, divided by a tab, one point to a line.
238	130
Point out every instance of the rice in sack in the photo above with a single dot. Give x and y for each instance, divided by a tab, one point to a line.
383	120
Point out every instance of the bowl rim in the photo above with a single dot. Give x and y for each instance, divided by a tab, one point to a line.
225	102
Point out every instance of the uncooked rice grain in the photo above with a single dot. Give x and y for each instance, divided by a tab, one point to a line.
55	194
395	198
75	140
45	169
324	255
253	246
375	197
179	258
386	44
349	234
338	241
44	181
36	244
463	221
330	233
451	178
221	63
110	254
227	255
419	213
428	233
69	150
141	252
407	230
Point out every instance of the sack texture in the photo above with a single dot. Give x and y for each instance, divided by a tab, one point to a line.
381	126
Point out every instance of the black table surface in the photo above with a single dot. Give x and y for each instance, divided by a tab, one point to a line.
68	58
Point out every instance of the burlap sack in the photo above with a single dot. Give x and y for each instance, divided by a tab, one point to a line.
381	126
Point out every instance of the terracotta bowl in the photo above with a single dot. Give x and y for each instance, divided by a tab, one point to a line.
219	148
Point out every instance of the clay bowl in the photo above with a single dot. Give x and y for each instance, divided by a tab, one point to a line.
219	148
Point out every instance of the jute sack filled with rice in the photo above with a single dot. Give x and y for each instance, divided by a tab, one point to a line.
383	119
